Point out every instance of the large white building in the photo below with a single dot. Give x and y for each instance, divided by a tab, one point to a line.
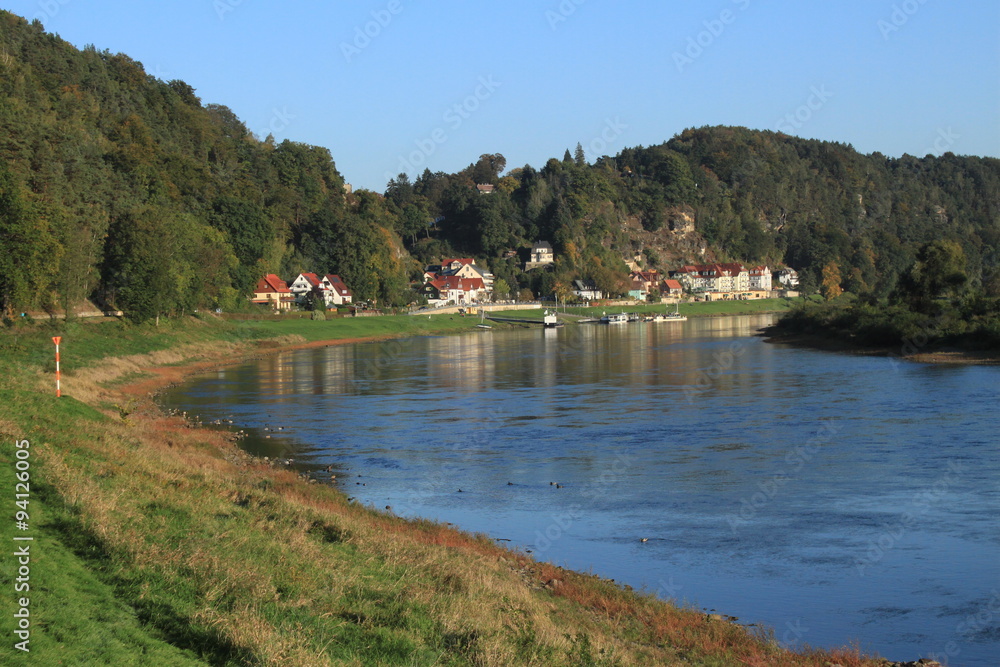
723	278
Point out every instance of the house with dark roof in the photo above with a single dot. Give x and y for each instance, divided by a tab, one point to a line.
587	290
541	255
335	291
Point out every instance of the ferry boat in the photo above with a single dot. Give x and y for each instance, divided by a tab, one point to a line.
614	318
671	317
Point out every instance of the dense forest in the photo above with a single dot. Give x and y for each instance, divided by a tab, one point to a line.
128	190
120	187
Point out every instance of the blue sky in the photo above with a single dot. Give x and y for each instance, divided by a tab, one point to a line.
400	85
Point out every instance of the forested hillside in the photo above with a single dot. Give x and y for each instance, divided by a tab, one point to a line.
752	196
129	190
118	185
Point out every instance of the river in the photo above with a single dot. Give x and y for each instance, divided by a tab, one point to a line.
830	497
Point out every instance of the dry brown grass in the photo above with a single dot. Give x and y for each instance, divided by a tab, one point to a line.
252	556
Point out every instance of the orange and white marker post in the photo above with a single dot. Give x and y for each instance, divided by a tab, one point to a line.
56	340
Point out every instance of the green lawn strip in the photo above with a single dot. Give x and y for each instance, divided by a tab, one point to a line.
77	615
697	309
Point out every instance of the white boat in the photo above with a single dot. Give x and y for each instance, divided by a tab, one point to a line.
550	320
615	318
671	317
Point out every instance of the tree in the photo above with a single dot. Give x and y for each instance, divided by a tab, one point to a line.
138	264
488	168
399	190
28	251
250	234
501	290
830	286
579	156
413	221
939	272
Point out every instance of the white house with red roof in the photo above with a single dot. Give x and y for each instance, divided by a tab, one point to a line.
456	290
304	284
335	291
272	291
463	268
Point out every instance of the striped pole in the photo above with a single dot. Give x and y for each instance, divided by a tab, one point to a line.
56	339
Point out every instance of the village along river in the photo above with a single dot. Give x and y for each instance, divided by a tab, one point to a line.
830	497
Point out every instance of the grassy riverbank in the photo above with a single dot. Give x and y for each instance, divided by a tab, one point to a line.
696	309
160	543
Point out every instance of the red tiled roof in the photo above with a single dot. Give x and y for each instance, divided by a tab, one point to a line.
672	284
312	278
272	283
457	283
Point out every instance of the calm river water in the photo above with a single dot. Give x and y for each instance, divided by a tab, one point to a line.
832	498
